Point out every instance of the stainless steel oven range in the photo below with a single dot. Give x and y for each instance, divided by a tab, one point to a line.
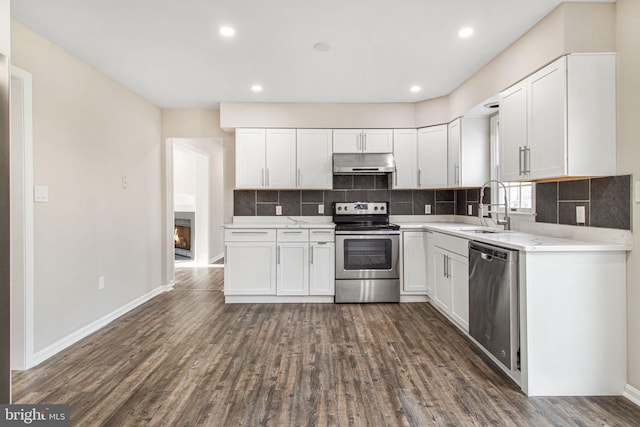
366	253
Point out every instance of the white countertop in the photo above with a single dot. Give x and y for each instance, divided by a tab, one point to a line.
521	241
516	240
281	222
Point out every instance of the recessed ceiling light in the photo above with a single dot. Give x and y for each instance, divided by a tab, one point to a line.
415	88
322	47
227	31
465	32
256	88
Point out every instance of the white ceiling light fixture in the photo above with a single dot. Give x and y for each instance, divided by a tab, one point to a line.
465	32
415	89
227	31
322	47
256	88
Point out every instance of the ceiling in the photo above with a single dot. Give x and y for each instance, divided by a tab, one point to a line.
171	52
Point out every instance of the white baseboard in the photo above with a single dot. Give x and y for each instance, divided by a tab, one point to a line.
92	327
632	393
216	258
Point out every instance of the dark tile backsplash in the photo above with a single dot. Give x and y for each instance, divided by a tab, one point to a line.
355	188
607	202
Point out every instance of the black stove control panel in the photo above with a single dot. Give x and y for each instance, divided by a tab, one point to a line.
361	208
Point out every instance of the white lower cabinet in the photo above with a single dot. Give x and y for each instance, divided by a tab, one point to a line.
284	262
293	268
250	262
322	280
415	279
450	276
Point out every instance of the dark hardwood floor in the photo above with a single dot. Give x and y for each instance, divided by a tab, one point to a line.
187	359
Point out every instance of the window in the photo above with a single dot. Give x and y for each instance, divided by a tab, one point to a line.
520	195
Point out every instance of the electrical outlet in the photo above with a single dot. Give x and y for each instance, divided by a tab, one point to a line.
278	210
580	214
101	283
125	182
320	209
469	209
427	209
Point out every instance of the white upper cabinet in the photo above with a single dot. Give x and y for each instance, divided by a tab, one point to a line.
405	147
421	157
468	161
432	157
362	141
250	158
512	131
281	158
265	158
561	121
314	149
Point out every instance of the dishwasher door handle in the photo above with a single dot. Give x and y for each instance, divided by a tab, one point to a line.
486	257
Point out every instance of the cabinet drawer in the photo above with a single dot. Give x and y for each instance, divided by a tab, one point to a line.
249	235
457	245
322	235
293	235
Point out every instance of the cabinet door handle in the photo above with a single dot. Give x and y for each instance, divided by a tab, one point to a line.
249	232
444	261
395	176
299	180
456	170
527	159
419	177
364	136
358	142
311	254
278	255
519	160
267	177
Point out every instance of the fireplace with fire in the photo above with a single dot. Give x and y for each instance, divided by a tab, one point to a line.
183	235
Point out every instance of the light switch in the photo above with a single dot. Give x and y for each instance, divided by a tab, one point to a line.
41	194
427	209
469	209
278	210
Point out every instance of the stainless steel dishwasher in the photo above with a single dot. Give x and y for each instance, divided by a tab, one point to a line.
493	301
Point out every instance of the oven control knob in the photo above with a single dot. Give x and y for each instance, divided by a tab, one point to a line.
381	208
346	208
375	209
339	208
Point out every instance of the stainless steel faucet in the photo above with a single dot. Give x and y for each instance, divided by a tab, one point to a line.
506	221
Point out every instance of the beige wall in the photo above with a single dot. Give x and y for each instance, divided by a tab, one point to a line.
628	41
88	132
316	115
206	124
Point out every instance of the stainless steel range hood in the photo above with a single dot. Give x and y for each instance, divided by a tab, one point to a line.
363	164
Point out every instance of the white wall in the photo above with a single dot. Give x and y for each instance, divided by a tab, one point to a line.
628	41
88	132
5	294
